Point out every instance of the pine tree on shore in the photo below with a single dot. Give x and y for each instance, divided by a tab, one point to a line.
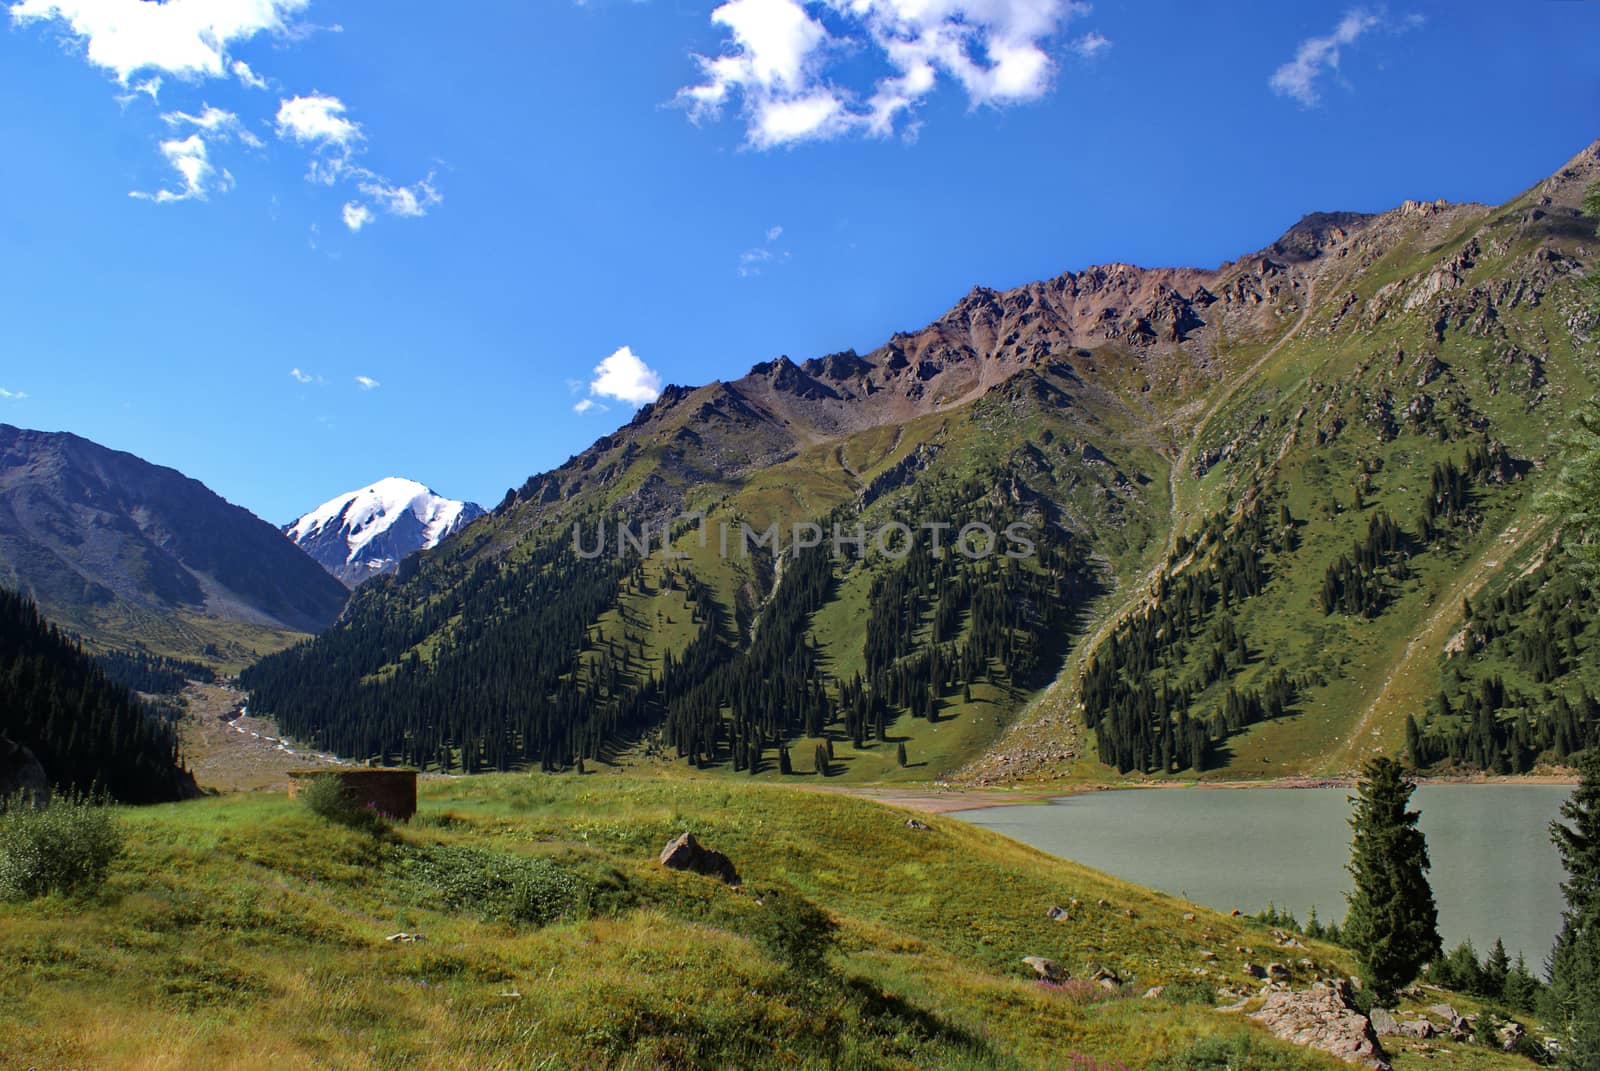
1393	923
1573	1001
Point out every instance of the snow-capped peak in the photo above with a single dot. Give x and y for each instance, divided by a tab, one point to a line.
363	533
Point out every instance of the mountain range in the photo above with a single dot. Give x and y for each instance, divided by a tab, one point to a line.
364	533
1280	514
1271	497
131	554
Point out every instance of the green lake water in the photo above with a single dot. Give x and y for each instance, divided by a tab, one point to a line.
1495	872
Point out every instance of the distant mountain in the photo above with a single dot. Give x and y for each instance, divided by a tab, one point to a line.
131	554
1286	514
365	533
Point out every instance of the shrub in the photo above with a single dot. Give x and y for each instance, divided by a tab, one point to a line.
1202	993
66	847
496	884
794	931
327	798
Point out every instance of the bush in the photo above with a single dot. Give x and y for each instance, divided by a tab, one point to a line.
327	798
1202	993
66	847
497	885
793	930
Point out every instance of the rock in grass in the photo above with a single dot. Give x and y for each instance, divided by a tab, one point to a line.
1058	914
686	853
916	823
20	773
1320	1018
1048	970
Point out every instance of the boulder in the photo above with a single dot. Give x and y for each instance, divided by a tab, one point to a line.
1058	914
1384	1024
1154	992
1321	1018
1510	1036
20	772
1277	972
916	823
1048	970
1420	1029
686	853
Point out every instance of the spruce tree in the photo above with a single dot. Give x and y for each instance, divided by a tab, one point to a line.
1574	994
1393	923
900	755
1496	970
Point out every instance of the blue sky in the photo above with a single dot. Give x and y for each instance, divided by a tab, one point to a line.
340	241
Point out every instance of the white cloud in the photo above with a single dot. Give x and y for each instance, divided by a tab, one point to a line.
320	122
776	55
1319	55
583	405
774	233
317	120
12	395
247	77
367	383
198	175
304	377
356	215
1091	45
624	378
188	39
409	201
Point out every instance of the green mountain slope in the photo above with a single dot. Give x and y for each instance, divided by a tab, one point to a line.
1258	497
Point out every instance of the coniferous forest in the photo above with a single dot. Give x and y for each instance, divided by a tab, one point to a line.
90	733
940	621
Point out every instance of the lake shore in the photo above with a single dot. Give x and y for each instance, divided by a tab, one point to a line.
937	799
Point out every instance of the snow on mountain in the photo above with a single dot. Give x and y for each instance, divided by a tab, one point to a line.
363	533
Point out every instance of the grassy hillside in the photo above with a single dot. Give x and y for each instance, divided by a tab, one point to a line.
244	932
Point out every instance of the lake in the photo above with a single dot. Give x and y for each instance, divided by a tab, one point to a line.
1495	872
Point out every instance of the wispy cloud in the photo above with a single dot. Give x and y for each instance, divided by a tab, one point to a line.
621	377
752	260
247	77
367	383
12	395
779	61
197	175
1319	56
1090	45
304	377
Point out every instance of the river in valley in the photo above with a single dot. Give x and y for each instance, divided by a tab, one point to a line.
1495	872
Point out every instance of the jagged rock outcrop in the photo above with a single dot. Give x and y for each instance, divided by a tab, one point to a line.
1321	1018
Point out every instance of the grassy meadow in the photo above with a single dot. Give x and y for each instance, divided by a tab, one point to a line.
243	931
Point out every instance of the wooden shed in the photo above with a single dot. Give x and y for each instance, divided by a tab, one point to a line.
392	792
